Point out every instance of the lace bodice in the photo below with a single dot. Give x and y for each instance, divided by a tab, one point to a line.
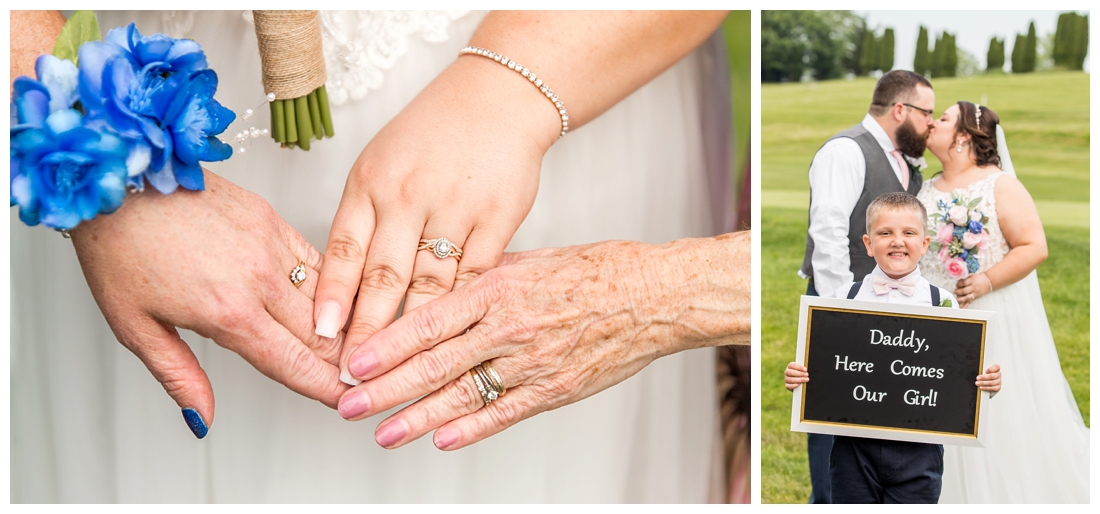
359	46
931	268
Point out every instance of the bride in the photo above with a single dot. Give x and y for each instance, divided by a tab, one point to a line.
89	423
1037	449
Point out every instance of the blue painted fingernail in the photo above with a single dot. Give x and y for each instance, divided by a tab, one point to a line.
195	422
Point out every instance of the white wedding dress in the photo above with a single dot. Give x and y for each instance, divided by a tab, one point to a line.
89	423
1037	449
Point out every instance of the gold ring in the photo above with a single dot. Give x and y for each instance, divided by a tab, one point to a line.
488	382
441	247
298	274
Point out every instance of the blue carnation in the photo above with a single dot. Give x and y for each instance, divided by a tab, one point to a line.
975	226
959	231
63	173
33	100
157	93
971	263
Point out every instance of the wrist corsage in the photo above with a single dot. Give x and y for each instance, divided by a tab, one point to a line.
104	117
960	235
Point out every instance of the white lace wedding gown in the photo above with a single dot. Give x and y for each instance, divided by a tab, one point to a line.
1037	450
89	424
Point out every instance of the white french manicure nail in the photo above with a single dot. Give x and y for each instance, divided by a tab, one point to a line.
328	322
345	377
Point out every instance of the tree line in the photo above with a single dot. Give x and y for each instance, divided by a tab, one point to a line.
821	45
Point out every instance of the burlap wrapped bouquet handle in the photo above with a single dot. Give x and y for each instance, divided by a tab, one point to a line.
293	66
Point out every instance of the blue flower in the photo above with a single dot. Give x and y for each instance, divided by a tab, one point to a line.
959	231
63	173
964	254
54	90
157	93
972	263
975	226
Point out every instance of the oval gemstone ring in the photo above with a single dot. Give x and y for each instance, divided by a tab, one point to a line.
441	247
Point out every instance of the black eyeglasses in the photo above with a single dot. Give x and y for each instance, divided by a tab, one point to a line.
925	111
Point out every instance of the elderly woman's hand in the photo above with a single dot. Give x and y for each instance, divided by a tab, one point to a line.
557	325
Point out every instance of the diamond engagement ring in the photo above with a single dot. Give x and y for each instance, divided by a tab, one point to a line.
488	382
441	248
298	274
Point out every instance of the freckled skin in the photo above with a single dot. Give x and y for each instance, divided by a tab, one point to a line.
222	273
562	324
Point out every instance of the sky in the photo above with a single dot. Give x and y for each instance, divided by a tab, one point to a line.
972	30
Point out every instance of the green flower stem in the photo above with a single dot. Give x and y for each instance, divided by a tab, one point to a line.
305	125
315	114
297	122
326	116
278	122
291	122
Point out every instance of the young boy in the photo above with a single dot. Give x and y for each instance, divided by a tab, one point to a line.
876	470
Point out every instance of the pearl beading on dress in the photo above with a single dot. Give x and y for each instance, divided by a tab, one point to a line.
527	74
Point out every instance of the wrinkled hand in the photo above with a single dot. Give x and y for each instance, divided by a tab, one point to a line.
458	162
991	380
557	325
971	288
216	262
795	375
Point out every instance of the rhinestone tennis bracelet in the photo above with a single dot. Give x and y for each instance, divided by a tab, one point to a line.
529	75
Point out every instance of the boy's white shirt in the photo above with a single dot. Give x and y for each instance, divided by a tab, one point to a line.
921	294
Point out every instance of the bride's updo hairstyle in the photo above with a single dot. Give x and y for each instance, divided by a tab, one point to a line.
983	132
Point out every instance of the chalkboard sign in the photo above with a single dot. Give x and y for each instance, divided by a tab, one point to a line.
886	371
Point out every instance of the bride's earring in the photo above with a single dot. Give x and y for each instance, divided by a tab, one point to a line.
959	148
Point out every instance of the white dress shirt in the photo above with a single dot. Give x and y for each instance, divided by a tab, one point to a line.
836	181
921	295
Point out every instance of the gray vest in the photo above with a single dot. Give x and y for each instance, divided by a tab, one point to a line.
878	178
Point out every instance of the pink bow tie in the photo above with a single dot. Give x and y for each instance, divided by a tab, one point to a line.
882	285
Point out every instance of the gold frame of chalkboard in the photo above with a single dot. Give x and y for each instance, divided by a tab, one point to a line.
800	424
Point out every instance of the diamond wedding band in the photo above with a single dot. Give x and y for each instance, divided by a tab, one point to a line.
441	248
488	382
298	274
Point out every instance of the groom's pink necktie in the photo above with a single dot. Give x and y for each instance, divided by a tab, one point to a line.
903	168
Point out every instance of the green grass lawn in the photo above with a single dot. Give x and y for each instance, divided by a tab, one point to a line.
1046	117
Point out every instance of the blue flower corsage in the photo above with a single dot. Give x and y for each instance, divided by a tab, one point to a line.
108	117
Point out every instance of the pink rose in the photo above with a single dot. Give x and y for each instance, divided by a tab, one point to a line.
984	241
956	269
975	215
946	234
958	215
943	255
970	240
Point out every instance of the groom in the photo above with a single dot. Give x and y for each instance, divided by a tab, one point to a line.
878	155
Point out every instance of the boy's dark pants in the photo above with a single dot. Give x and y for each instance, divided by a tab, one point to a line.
881	471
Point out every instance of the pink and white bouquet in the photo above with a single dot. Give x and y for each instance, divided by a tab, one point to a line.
960	235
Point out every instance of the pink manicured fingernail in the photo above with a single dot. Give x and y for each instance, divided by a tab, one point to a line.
354	404
446	437
363	363
328	321
392	432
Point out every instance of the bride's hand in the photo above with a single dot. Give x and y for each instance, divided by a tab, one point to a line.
971	288
460	162
216	262
557	326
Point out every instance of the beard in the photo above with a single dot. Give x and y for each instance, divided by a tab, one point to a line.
910	142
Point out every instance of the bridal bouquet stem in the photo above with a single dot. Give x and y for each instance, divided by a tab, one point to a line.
961	237
293	66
